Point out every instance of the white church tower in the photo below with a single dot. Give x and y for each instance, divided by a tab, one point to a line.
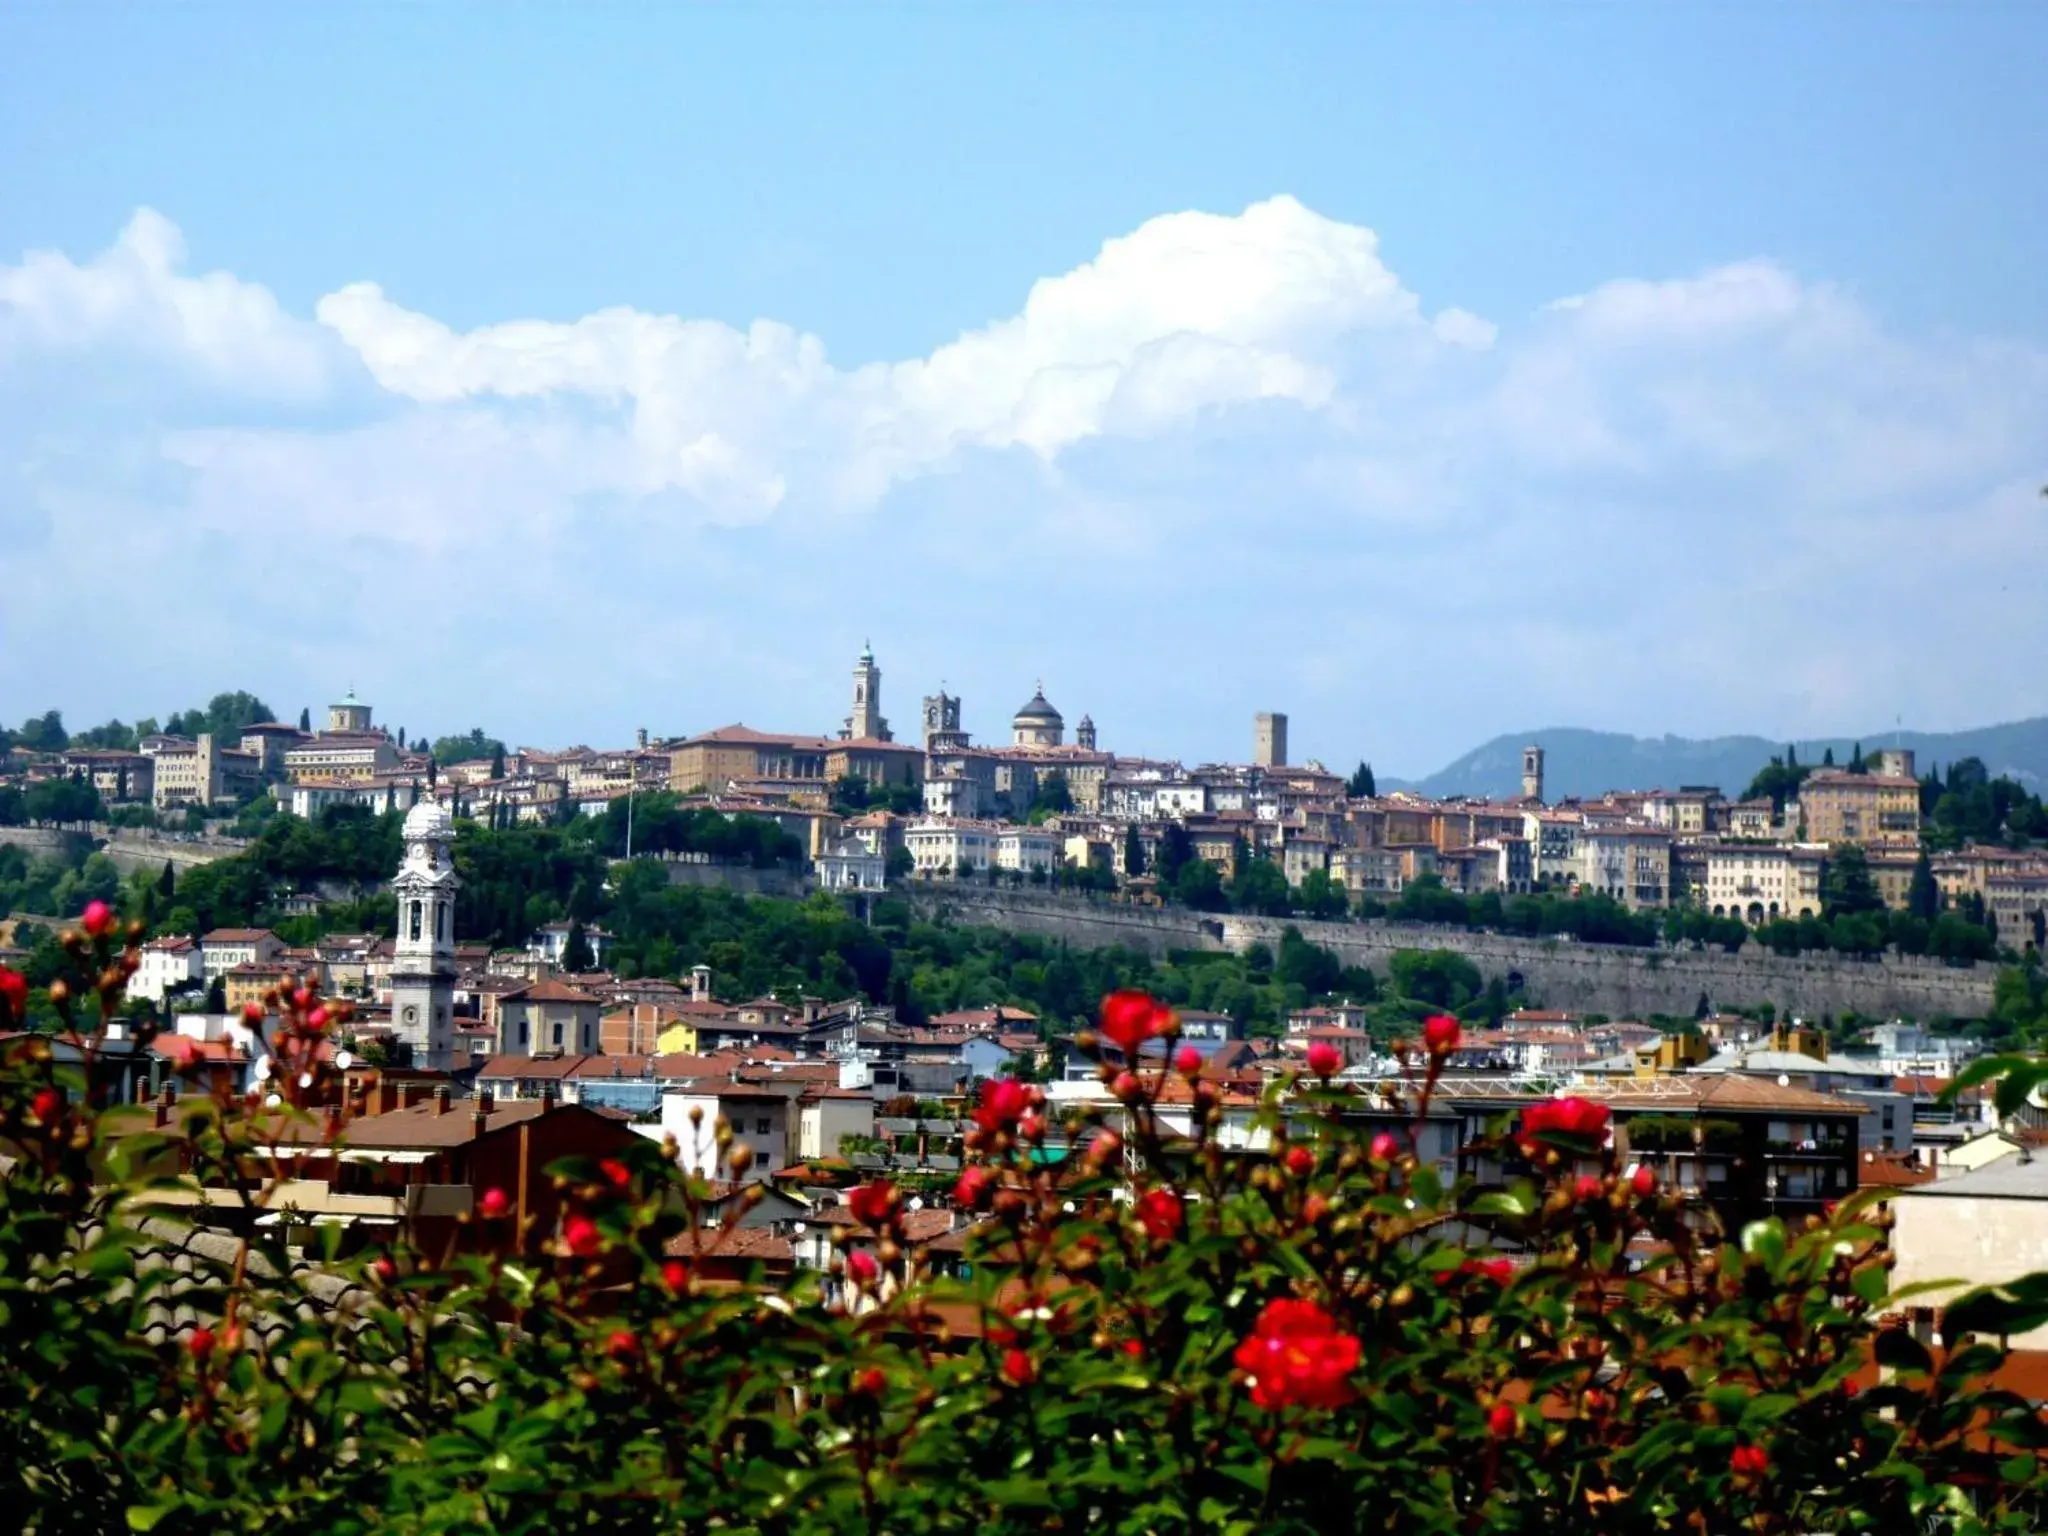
866	722
423	960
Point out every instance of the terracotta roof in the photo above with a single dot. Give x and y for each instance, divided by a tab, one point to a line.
531	1066
1720	1091
237	935
739	1243
551	991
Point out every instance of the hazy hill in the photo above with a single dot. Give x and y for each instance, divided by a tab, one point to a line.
1587	763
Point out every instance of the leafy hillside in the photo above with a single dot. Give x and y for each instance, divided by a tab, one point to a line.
1580	762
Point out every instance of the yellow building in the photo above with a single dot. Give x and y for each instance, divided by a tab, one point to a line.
1877	810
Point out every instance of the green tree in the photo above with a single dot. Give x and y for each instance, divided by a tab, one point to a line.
1322	896
306	721
1778	780
62	802
1846	886
1176	850
576	955
1134	852
469	748
1197	884
498	761
1440	978
43	733
1360	785
1259	886
1052	796
1923	896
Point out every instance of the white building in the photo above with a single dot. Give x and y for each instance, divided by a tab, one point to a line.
760	1119
167	964
1759	882
944	846
1027	849
552	943
851	864
956	796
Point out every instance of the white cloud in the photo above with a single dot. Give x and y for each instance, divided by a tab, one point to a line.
1232	455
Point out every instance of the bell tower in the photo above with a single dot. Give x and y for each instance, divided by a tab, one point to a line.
423	958
1532	773
866	722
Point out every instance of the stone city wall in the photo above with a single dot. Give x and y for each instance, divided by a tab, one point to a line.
1560	973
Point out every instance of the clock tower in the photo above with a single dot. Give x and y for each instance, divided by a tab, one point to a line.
423	959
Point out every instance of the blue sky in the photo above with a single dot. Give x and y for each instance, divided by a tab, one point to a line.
1425	372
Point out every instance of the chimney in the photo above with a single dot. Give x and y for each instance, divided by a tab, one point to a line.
441	1100
164	1101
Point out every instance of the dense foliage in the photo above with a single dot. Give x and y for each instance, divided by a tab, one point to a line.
1155	1333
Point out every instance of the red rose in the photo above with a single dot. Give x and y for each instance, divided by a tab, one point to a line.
1130	1018
1187	1061
872	1203
199	1342
384	1269
1324	1059
1440	1033
493	1204
1749	1461
675	1275
1031	1126
97	918
47	1105
1127	1088
13	994
317	1019
1500	1421
616	1173
971	1187
870	1381
1569	1116
1019	1369
581	1236
252	1013
622	1345
1643	1181
1159	1213
1300	1161
1003	1102
1588	1187
1499	1271
862	1267
1384	1148
1296	1355
302	999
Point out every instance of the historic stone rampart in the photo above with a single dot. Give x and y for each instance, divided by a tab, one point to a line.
1561	973
130	849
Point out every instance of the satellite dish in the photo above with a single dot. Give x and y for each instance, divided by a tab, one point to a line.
1784	1081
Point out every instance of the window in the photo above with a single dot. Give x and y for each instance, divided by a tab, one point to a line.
413	921
763	1125
558	1034
440	919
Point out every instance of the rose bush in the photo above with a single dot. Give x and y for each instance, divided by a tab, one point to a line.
1169	1322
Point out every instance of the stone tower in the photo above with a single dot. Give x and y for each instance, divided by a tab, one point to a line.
1084	734
351	714
423	959
1269	741
942	731
866	722
1532	773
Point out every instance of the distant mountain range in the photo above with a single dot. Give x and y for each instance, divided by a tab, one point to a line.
1589	763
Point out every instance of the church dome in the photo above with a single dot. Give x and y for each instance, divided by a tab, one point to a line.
428	820
1038	712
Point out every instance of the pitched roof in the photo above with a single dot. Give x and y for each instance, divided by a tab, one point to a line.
550	991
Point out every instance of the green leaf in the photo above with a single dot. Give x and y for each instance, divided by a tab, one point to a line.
1900	1351
144	1517
1766	1240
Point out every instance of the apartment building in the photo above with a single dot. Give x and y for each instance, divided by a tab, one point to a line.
1758	883
122	778
1630	863
941	846
1877	810
341	757
2018	902
225	948
199	772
